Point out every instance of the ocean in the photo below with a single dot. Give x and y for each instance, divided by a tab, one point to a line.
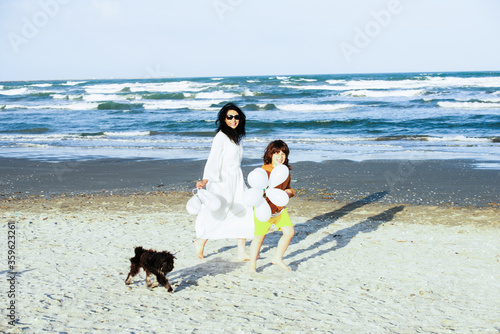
321	117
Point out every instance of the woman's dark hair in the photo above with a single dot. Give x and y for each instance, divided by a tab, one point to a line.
275	147
234	134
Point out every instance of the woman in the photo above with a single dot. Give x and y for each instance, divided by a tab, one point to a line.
223	178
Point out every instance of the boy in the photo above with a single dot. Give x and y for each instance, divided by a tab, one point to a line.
276	154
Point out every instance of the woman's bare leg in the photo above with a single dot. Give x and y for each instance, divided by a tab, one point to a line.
242	250
199	246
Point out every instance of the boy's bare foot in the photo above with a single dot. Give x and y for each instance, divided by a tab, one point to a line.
281	264
199	246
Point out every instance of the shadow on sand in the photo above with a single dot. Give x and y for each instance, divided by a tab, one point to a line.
188	277
337	239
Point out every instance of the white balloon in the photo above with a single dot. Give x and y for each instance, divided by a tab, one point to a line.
253	196
258	178
212	202
277	196
193	206
279	174
263	211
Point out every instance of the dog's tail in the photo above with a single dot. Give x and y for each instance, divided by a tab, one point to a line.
138	252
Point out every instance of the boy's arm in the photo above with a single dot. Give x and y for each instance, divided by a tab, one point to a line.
288	188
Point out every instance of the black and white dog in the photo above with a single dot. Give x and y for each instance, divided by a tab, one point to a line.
153	262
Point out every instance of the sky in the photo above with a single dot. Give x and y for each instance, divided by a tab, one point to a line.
103	39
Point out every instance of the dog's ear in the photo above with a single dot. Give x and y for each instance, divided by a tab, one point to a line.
138	251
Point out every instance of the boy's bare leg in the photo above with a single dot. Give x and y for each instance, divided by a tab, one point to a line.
254	252
199	246
288	233
242	251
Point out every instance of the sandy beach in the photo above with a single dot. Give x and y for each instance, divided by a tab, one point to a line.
380	247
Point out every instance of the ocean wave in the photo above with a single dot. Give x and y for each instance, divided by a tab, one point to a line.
260	106
314	87
73	83
127	133
182	104
73	97
110	97
166	96
71	106
314	107
304	79
28	131
14	91
415	83
153	87
219	94
384	93
110	105
41	85
106	88
468	105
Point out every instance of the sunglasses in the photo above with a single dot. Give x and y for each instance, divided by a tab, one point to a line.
230	117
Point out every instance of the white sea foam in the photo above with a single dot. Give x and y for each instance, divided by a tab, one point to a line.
314	87
67	97
383	93
42	85
464	139
468	105
428	82
15	91
314	107
73	83
105	97
304	79
66	106
219	94
248	92
127	133
336	82
106	88
178	104
167	87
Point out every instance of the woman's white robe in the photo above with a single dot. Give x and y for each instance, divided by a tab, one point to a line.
225	180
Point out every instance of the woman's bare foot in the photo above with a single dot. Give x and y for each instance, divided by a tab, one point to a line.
252	268
281	264
243	256
199	246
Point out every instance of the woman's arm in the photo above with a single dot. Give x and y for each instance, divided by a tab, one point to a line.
201	184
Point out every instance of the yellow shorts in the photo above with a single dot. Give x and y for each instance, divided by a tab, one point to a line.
283	219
